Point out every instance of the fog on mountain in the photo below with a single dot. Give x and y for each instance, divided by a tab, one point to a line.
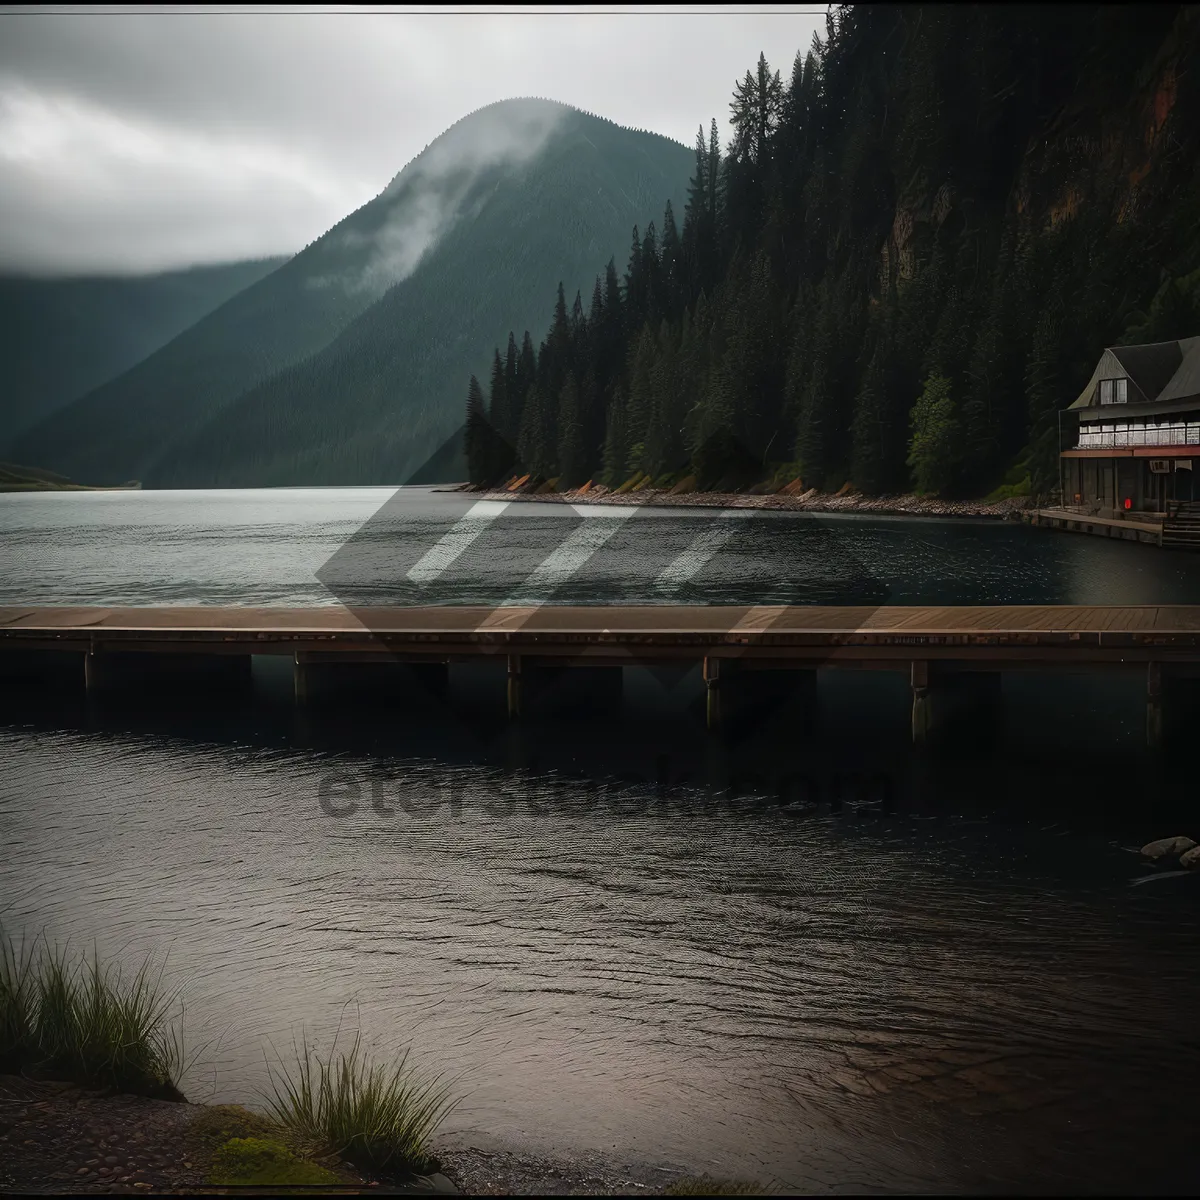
344	365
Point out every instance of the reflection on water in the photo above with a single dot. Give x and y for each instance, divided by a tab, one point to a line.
800	954
325	545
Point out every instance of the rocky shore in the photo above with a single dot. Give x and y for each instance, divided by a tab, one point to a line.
811	501
62	1138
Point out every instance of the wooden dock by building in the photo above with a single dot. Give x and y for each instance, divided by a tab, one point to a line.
1141	529
928	643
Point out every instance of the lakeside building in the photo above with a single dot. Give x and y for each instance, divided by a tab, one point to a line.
1137	446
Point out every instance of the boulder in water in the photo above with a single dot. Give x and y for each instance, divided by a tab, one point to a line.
1168	847
1190	858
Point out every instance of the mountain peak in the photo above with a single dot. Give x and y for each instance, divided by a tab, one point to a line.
506	131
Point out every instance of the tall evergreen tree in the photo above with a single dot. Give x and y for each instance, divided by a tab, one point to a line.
634	293
572	456
475	439
616	440
935	451
816	441
671	266
501	453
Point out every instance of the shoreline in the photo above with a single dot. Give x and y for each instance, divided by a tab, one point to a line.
67	1138
880	506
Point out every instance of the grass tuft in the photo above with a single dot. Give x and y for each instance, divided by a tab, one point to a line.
262	1162
18	992
75	1018
365	1112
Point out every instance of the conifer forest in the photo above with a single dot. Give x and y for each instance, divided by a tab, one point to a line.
901	268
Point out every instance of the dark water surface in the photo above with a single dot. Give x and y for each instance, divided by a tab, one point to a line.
324	545
801	954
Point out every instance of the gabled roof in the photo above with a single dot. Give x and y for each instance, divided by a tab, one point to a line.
1109	367
1186	380
1150	367
1159	371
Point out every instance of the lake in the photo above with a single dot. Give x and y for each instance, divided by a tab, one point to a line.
801	953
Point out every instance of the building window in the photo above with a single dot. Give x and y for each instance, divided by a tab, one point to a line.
1094	435
1114	391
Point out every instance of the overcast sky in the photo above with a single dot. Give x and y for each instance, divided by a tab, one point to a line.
136	140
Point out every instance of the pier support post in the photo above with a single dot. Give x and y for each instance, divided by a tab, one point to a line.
92	674
514	686
712	687
299	679
922	723
1154	705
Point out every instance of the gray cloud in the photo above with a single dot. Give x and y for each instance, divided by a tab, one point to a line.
151	140
429	195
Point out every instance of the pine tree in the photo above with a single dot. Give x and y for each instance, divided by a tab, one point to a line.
694	364
993	383
934	453
595	319
501	453
641	398
592	411
535	450
475	439
697	198
664	442
616	442
880	429
513	394
579	331
635	287
816	437
526	379
572	458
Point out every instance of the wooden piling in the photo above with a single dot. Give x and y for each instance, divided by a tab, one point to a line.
922	722
712	687
1154	705
514	686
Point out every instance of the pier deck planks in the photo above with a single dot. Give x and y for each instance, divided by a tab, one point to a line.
1016	634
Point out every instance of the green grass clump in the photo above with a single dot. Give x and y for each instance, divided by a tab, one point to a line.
78	1019
217	1124
343	1104
18	1003
706	1185
256	1161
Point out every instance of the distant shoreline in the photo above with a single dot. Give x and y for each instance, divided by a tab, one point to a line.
890	506
17	478
39	486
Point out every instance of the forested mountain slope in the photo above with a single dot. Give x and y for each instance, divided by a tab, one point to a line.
903	267
344	365
380	399
60	338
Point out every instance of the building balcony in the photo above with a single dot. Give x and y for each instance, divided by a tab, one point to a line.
1153	434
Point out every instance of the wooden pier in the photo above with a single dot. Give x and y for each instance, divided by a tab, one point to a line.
929	644
1140	528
